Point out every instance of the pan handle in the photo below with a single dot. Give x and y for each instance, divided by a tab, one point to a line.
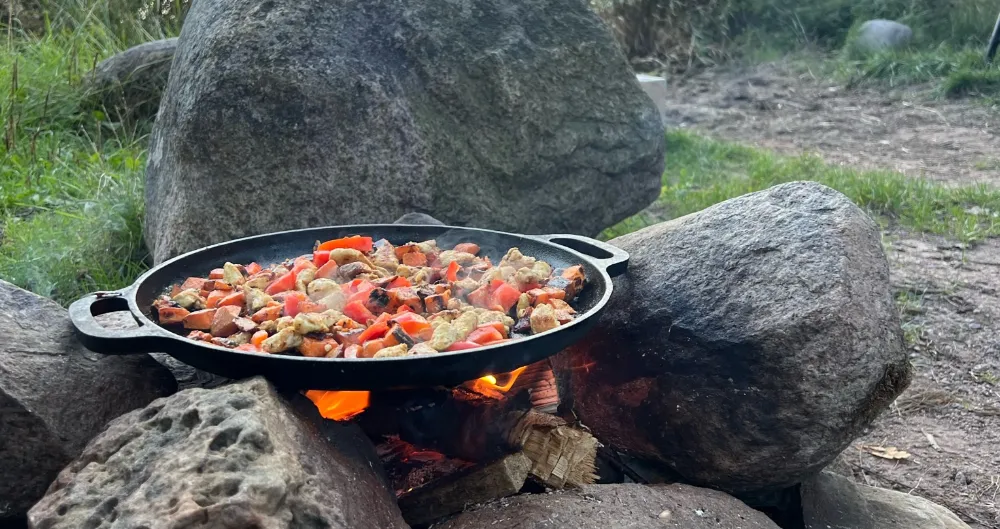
109	341
612	258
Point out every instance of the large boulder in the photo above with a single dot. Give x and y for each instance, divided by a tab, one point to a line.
620	506
880	35
519	115
748	344
830	501
55	395
129	84
238	456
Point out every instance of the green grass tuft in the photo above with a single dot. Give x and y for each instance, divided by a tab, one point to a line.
701	172
972	82
70	179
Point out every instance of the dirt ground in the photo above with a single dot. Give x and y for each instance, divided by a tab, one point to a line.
949	418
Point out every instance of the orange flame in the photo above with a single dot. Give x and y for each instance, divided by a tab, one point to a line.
343	405
490	383
339	405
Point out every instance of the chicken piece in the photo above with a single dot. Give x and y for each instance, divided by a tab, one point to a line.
303	278
422	348
352	270
335	300
232	275
393	352
343	256
320	288
235	340
516	260
490	316
189	299
543	318
405	271
463	287
448	256
224	321
283	322
245	324
465	324
523	304
283	340
309	322
444	335
531	277
384	255
422	275
281	270
428	246
260	280
255	299
455	304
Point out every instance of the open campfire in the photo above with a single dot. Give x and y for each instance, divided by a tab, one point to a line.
445	448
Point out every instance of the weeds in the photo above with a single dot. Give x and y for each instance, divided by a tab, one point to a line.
70	176
701	172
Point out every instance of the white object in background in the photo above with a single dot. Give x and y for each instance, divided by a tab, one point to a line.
656	89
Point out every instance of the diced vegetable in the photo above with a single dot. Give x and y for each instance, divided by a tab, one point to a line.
352	351
196	283
171	315
463	345
216	273
236	299
328	270
281	284
357	312
253	268
214	297
224	321
506	296
414	259
302	263
452	273
399	282
317	347
267	314
371	347
356	242
467	247
376	330
321	257
480	297
258	338
200	319
484	334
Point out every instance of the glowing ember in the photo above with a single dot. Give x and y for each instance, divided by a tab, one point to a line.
339	405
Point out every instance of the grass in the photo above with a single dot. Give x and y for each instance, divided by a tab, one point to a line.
701	172
70	178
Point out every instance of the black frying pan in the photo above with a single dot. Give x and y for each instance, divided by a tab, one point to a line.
600	261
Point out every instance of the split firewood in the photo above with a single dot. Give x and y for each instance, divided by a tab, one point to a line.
479	485
477	429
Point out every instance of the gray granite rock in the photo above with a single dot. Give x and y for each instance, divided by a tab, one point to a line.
55	395
748	344
521	115
830	501
619	506
238	456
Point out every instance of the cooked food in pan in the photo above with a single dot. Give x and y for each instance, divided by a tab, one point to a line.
358	298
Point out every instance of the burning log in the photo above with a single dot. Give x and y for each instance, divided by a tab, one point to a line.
479	485
473	427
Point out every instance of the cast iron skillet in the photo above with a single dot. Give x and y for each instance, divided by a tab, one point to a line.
600	262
